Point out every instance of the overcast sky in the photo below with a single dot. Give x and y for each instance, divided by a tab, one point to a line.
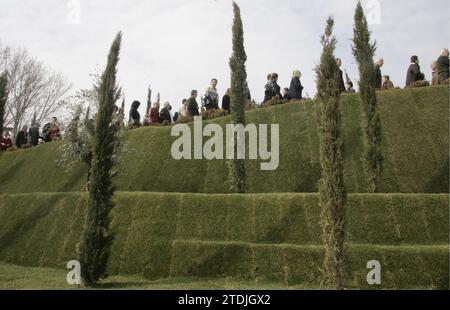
179	45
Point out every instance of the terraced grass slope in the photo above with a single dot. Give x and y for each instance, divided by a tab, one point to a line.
415	147
255	237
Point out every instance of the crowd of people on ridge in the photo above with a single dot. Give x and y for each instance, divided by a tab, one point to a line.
26	138
210	101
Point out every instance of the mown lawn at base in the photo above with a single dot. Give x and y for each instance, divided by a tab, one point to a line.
13	277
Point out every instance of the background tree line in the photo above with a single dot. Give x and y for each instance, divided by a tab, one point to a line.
33	89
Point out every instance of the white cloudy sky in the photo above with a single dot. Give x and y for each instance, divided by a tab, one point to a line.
179	45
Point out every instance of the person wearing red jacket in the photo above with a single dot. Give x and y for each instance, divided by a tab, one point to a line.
5	142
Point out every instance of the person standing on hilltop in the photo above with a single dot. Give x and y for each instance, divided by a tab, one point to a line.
192	105
434	74
135	117
164	115
211	99
443	66
51	130
272	88
339	77
183	109
22	138
154	114
34	134
378	77
5	142
296	88
387	83
413	75
226	101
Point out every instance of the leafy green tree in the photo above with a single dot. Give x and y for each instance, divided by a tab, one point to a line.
364	51
237	176
94	248
333	196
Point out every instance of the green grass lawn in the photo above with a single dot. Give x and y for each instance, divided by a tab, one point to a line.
13	277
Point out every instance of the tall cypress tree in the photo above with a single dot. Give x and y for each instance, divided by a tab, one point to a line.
364	51
96	238
332	192
238	97
149	101
3	99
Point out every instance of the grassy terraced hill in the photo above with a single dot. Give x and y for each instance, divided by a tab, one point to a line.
415	147
262	238
174	220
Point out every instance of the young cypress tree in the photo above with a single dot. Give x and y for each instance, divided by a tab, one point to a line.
332	192
364	50
3	98
96	238
238	97
149	101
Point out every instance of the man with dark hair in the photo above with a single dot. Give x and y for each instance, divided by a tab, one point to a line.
211	99
22	138
387	83
135	117
34	134
226	101
413	75
349	88
192	105
272	88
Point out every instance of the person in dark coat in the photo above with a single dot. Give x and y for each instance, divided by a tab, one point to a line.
164	115
192	105
378	77
275	87
176	116
339	77
272	88
387	83
226	101
135	117
413	75
296	88
22	138
34	135
349	88
286	94
267	90
443	66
